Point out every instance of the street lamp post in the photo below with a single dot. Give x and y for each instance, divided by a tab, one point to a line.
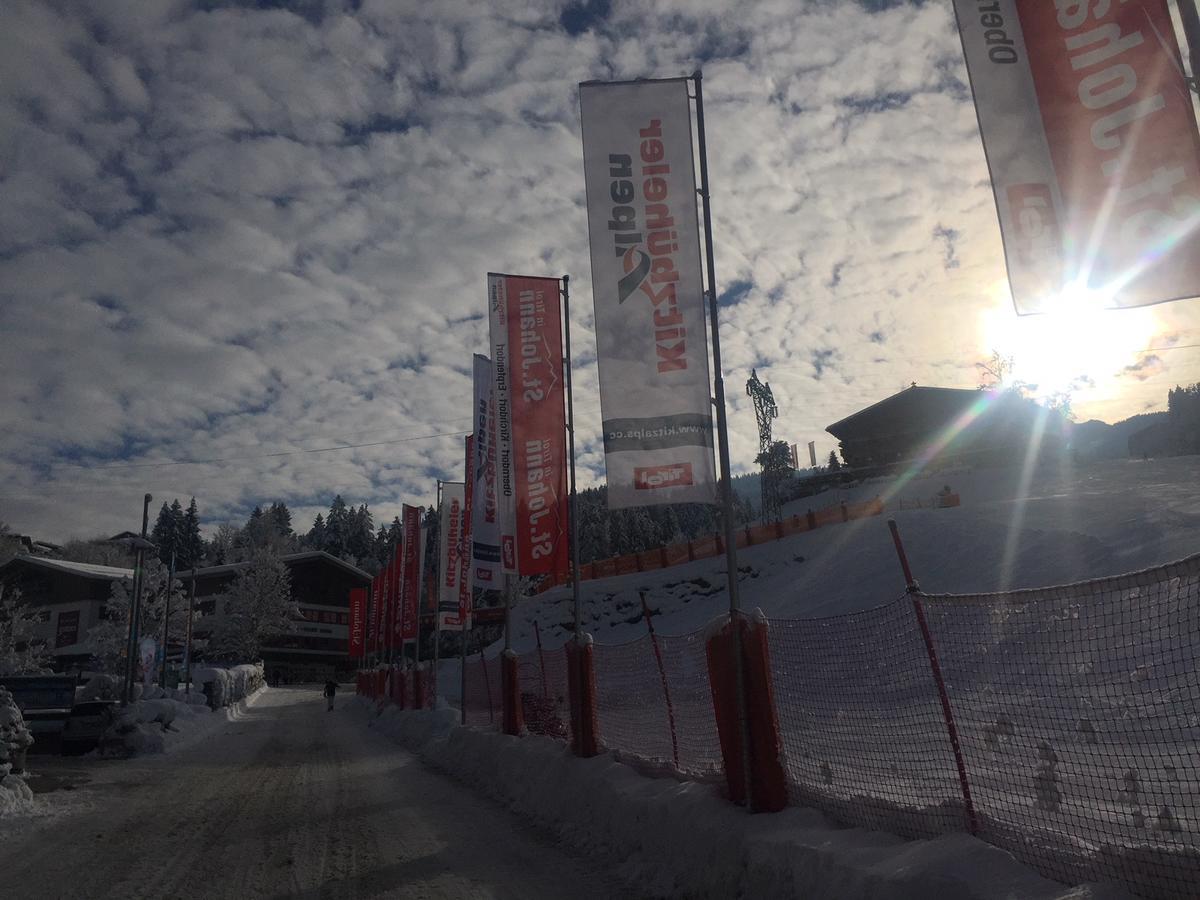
135	608
162	675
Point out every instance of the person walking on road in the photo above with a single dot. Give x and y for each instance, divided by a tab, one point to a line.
330	692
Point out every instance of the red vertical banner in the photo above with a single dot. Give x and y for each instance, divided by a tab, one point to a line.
394	566
388	604
358	617
410	576
465	586
1090	136
527	364
377	617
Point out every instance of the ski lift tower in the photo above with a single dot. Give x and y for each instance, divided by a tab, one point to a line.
772	469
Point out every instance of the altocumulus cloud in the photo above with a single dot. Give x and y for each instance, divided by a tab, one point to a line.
228	230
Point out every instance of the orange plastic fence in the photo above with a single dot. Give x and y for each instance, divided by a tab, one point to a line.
713	545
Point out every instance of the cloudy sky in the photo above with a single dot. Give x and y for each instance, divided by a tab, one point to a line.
243	234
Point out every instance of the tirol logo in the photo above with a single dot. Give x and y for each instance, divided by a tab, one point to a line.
509	549
648	478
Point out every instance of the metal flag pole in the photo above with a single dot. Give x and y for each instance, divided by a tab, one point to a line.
1191	31
187	649
135	605
437	602
723	441
574	503
162	676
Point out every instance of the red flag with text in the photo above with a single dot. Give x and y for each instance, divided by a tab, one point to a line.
410	575
1090	137
358	615
531	472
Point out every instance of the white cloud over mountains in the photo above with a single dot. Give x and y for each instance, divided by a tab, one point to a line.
229	231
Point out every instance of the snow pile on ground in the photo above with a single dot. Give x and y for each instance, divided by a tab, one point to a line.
231	684
161	724
670	838
15	739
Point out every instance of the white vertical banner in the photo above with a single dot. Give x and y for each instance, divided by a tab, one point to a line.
651	336
485	521
1090	138
506	489
450	548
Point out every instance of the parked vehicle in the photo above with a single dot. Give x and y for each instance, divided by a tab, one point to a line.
86	725
44	700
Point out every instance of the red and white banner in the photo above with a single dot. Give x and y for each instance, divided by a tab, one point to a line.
450	548
376	642
465	584
485	523
1090	136
531	471
410	574
651	339
394	567
358	620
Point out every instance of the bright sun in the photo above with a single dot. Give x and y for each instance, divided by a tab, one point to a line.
1080	340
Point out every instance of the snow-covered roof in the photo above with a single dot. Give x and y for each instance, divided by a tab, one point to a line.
286	558
86	570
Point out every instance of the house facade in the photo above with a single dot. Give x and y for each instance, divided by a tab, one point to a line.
70	599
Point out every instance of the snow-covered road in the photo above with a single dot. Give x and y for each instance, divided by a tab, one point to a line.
290	801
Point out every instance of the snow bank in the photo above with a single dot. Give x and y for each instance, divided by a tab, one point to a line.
15	739
231	684
670	838
161	724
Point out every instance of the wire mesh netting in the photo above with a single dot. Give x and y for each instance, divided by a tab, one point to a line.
660	716
545	701
861	724
1078	715
482	700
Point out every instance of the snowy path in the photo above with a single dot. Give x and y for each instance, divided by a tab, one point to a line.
289	802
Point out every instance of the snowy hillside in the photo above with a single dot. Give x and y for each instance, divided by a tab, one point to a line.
1067	523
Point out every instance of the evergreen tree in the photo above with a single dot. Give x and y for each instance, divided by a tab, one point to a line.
168	531
281	518
315	539
258	605
191	543
834	463
337	528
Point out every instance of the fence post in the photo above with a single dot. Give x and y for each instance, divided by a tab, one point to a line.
487	684
581	686
691	551
767	779
510	688
719	542
418	687
537	634
914	593
662	556
812	519
662	674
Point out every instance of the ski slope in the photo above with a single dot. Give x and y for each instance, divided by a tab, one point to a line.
1063	524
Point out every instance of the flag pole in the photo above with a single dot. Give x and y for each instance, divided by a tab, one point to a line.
1190	17
574	504
718	377
723	443
437	600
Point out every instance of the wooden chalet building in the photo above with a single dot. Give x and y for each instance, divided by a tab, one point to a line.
70	598
945	426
